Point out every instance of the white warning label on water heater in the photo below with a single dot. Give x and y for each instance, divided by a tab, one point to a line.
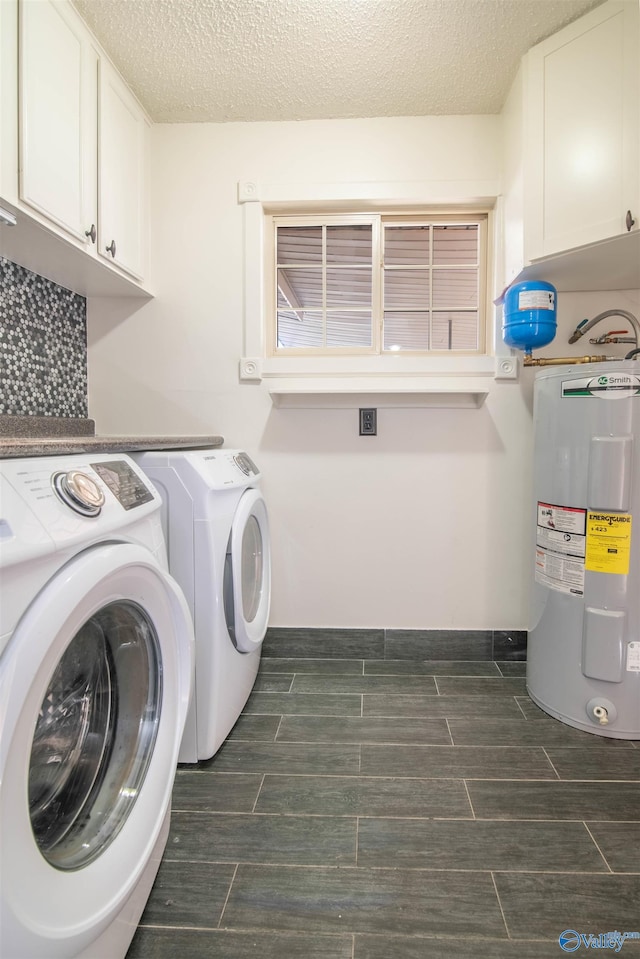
560	547
633	658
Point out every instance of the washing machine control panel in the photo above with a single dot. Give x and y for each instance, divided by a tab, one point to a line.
124	483
80	491
60	502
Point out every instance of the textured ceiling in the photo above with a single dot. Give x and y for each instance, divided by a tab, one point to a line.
222	60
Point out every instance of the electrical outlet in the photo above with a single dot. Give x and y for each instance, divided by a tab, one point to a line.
368	422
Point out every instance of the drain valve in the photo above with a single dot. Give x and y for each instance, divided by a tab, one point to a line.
601	711
601	715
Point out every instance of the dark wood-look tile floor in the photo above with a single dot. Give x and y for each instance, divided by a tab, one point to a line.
389	809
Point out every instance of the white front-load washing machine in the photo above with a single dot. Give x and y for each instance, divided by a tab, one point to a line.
217	534
96	672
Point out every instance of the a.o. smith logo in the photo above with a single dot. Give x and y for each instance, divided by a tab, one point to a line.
622	379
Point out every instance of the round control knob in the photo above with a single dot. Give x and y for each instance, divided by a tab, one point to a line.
79	491
242	464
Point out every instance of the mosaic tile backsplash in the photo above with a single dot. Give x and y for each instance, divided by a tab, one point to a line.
43	346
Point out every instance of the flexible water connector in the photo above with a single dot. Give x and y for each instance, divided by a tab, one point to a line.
586	325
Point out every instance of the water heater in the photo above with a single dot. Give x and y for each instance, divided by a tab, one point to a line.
583	657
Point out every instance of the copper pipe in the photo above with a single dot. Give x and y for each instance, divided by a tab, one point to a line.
563	360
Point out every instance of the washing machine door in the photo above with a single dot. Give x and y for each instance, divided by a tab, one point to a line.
94	688
247	574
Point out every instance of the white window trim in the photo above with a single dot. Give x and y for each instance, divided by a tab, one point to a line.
365	373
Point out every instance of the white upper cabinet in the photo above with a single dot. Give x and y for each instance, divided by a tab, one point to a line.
57	117
581	108
122	147
74	153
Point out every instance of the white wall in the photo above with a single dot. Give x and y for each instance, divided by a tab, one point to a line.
512	181
425	525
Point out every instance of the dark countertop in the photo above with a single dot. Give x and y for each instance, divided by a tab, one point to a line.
57	436
35	427
15	447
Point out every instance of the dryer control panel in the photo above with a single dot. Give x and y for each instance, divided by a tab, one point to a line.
221	469
246	464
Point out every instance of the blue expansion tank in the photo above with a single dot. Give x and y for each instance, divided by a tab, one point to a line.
529	315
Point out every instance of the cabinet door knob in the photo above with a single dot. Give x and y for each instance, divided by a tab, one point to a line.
629	220
112	248
91	233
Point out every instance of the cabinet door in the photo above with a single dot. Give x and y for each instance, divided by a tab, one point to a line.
122	147
57	116
582	141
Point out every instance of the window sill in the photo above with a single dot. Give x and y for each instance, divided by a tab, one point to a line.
434	381
443	382
331	397
388	371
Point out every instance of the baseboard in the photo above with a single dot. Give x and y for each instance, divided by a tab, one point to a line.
416	644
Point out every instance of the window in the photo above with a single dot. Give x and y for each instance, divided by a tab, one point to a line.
377	284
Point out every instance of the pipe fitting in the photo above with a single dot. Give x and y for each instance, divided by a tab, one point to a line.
601	711
601	714
563	360
585	325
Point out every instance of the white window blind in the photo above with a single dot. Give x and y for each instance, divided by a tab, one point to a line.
378	284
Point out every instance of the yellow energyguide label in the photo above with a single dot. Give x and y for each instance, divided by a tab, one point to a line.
608	542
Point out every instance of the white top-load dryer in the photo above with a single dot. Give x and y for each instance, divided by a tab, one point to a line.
96	670
217	534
